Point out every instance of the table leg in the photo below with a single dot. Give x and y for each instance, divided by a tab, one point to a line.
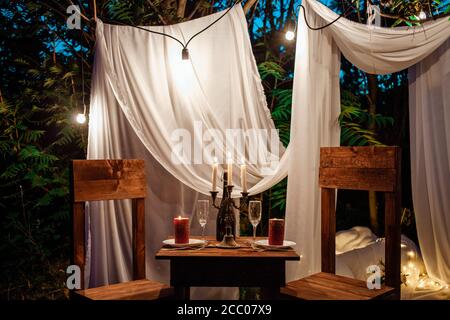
182	293
270	293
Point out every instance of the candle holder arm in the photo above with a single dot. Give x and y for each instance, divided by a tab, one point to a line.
214	197
243	206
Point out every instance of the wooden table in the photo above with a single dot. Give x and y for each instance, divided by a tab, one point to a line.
216	267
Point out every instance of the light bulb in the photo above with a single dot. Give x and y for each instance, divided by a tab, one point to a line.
422	15
290	35
185	54
81	118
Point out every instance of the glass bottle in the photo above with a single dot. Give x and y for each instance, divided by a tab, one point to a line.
225	216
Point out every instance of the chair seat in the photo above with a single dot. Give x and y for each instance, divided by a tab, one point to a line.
327	286
133	290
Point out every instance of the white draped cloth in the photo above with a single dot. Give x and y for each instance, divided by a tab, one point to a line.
316	105
146	101
429	99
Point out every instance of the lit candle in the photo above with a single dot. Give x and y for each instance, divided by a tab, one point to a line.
181	229
214	175
244	175
276	232
230	170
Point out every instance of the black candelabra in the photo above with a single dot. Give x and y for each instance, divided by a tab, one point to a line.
226	222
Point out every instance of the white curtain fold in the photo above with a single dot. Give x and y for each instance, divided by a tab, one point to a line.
314	124
379	50
429	100
316	106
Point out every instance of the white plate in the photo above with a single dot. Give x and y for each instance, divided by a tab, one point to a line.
265	244
192	243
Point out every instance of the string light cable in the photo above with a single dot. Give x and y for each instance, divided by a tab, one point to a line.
185	51
322	27
290	35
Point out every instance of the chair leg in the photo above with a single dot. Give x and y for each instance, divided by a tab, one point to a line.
182	293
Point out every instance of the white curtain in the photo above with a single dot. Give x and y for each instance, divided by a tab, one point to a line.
143	95
429	99
316	105
314	124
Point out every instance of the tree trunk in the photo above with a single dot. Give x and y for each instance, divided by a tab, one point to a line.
290	10
373	92
181	8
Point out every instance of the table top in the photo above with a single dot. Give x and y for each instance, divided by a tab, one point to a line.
211	251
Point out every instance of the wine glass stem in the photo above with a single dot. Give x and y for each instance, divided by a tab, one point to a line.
254	233
203	233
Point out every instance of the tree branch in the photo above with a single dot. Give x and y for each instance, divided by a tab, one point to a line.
197	6
397	17
155	8
253	13
248	5
181	8
67	43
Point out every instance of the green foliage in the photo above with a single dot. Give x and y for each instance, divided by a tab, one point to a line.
278	195
398	12
355	121
120	10
281	113
40	94
278	88
273	74
33	194
269	69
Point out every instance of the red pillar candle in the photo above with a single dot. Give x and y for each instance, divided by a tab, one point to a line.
276	232
181	229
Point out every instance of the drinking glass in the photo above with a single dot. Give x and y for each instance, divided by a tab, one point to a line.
254	215
202	214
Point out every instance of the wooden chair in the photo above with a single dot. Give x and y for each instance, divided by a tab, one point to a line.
357	168
98	180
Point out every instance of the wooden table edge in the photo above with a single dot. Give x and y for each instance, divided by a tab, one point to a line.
184	254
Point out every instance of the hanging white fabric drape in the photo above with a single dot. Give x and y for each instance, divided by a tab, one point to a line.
429	100
379	50
314	124
316	104
143	95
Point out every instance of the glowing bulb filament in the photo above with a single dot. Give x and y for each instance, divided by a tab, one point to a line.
290	35
422	15
81	118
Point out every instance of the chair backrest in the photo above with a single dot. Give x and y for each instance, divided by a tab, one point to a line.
98	180
362	168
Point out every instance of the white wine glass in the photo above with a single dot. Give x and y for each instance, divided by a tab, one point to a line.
202	214
254	215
